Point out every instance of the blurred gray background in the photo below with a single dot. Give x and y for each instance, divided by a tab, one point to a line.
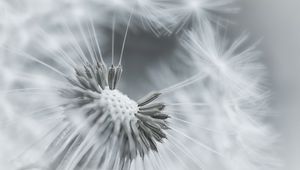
278	22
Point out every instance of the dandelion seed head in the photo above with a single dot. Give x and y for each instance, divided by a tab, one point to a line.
134	128
117	104
97	126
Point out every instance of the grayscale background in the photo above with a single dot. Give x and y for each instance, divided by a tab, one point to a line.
278	22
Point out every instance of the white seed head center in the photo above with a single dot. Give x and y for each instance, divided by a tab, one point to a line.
118	105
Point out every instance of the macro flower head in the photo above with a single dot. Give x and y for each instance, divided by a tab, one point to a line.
75	100
95	122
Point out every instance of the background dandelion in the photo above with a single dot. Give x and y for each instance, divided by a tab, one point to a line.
213	93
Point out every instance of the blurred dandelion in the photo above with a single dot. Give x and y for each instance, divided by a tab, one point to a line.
70	95
181	14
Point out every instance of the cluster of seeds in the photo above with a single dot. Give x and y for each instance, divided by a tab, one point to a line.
132	128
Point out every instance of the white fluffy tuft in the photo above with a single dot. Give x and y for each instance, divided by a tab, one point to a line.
237	99
212	120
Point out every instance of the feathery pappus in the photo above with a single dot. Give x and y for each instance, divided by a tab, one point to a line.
236	92
97	126
204	113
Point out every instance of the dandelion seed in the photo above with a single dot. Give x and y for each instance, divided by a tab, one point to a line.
88	122
235	92
184	13
146	14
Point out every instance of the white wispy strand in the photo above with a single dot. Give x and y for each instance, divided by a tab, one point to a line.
216	113
237	99
146	14
184	13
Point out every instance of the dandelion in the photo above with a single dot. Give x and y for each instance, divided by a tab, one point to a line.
125	127
203	114
99	126
237	96
184	13
146	14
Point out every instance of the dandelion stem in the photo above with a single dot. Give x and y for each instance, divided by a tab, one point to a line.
197	142
60	51
196	125
186	104
43	137
185	151
113	39
15	51
97	43
75	44
125	37
184	83
177	157
86	42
